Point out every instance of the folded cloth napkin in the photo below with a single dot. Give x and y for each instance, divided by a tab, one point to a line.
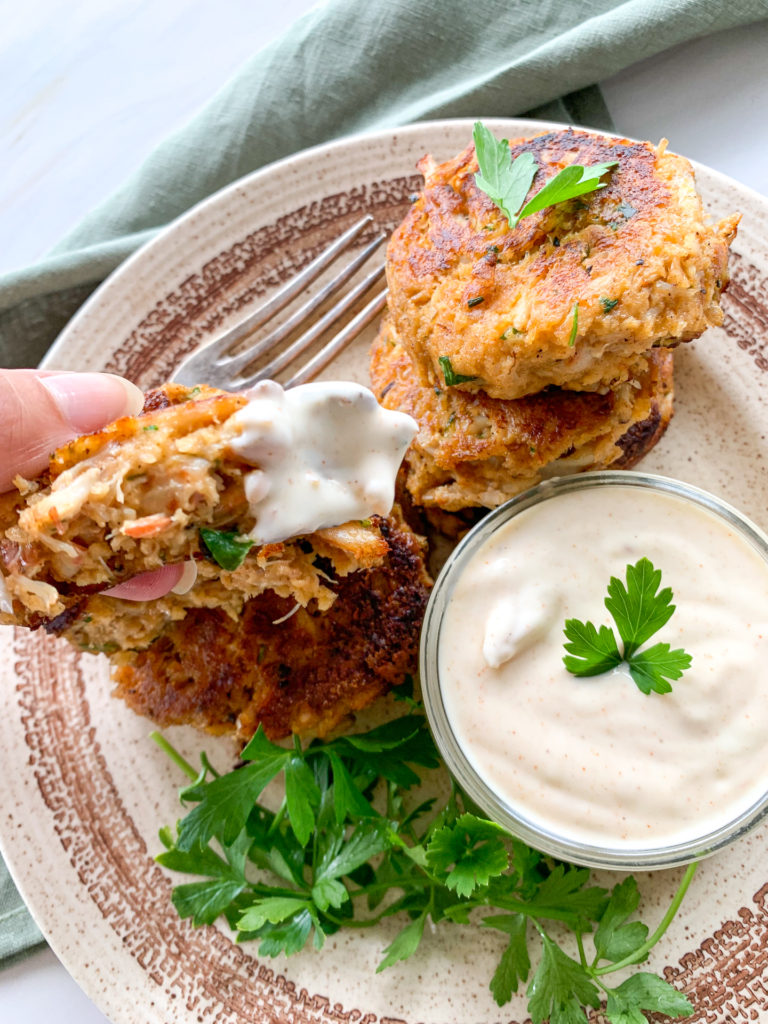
348	67
18	932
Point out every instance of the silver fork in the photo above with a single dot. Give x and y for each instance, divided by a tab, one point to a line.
212	364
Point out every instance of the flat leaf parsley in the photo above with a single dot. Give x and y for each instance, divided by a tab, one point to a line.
225	547
639	610
507	181
349	846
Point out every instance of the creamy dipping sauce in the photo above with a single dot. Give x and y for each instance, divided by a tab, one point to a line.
593	760
326	453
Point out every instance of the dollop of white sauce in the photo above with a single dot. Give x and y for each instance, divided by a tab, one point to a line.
595	760
518	619
325	453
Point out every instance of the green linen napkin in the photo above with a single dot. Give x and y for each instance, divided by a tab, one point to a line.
349	66
18	932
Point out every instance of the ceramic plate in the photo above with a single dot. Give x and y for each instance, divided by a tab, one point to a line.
85	791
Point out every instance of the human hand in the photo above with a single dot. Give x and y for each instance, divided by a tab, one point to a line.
43	409
40	410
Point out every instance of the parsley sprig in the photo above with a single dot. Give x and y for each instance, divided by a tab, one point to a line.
349	846
507	181
225	547
639	610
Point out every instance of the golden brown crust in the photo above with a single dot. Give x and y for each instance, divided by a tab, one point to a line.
637	256
193	408
643	435
306	674
473	450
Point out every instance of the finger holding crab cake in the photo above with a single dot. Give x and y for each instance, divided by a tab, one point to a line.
473	450
572	296
218	482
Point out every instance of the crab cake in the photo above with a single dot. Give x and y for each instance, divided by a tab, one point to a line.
577	292
288	668
135	497
473	450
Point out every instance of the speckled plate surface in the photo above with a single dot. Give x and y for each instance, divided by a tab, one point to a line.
85	791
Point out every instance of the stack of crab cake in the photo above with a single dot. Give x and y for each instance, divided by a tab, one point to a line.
543	349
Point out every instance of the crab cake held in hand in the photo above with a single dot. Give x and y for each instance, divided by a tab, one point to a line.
177	485
577	292
289	669
473	450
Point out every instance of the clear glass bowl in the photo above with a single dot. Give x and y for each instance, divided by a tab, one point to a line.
464	772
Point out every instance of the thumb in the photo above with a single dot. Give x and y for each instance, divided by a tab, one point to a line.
41	410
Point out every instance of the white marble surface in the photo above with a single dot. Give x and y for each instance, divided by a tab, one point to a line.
89	88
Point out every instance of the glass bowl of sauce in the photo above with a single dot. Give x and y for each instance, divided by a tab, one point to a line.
591	769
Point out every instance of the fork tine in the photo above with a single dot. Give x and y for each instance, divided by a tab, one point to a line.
340	341
302	343
232	365
278	301
210	363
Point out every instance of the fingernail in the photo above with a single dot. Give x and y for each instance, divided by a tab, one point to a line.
88	401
